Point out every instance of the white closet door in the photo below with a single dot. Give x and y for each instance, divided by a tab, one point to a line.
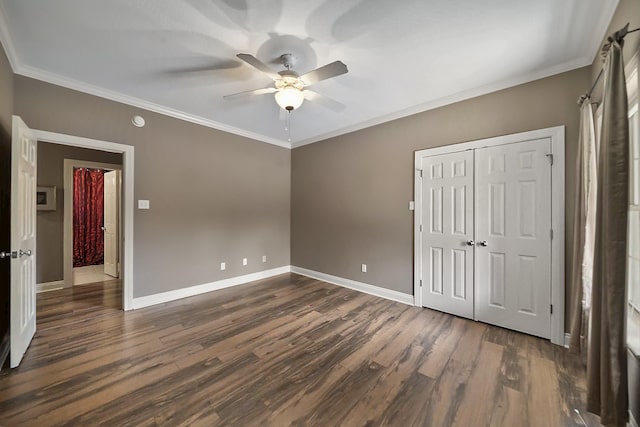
447	230
513	226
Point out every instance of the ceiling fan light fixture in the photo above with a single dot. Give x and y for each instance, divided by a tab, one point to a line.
289	98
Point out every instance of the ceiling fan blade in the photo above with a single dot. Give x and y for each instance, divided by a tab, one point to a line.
255	62
211	67
325	101
323	73
251	92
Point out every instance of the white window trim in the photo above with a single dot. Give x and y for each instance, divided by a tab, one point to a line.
632	70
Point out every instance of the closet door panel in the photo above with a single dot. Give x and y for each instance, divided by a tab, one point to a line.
513	226
447	226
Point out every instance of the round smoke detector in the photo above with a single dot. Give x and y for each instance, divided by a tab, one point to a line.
138	121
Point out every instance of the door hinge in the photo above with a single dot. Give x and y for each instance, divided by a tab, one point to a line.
550	157
551	233
551	308
421	228
420	170
420	282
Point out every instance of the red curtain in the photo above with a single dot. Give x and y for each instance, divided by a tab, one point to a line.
88	217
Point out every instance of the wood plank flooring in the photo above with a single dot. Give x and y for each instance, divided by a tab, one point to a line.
282	351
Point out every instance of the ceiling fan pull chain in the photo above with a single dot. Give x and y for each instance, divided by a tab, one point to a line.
289	125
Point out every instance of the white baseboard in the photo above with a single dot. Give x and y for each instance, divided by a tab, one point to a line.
49	286
160	298
356	286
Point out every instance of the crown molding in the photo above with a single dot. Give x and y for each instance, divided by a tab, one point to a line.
36	73
18	67
56	79
80	86
600	30
451	99
7	42
598	34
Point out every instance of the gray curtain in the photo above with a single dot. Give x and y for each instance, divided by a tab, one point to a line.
583	229
606	358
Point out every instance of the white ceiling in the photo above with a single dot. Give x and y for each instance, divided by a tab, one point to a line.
178	56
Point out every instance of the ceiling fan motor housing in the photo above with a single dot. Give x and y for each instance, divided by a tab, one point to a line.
289	79
288	60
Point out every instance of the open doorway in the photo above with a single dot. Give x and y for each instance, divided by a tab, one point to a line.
25	199
79	221
92	236
115	163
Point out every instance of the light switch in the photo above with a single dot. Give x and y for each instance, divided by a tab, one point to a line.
364	268
244	261
223	266
143	204
412	206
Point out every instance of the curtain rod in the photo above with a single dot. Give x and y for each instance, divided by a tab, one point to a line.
625	32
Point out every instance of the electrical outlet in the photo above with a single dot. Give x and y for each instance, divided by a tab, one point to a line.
244	261
364	268
264	258
223	266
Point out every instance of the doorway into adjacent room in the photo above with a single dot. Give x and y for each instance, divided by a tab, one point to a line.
91	222
29	195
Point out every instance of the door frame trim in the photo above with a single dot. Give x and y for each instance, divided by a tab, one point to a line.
557	137
126	197
67	248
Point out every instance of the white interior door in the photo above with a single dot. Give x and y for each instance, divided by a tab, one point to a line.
111	207
447	233
23	239
513	236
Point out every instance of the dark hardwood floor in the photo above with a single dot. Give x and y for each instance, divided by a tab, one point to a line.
283	351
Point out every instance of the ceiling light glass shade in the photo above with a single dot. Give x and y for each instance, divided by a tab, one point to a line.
289	98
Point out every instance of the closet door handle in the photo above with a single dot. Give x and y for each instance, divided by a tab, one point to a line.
470	242
483	243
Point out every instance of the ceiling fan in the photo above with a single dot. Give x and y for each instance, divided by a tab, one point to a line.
289	87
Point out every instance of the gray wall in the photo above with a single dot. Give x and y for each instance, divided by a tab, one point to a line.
50	224
6	94
350	194
214	196
6	110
